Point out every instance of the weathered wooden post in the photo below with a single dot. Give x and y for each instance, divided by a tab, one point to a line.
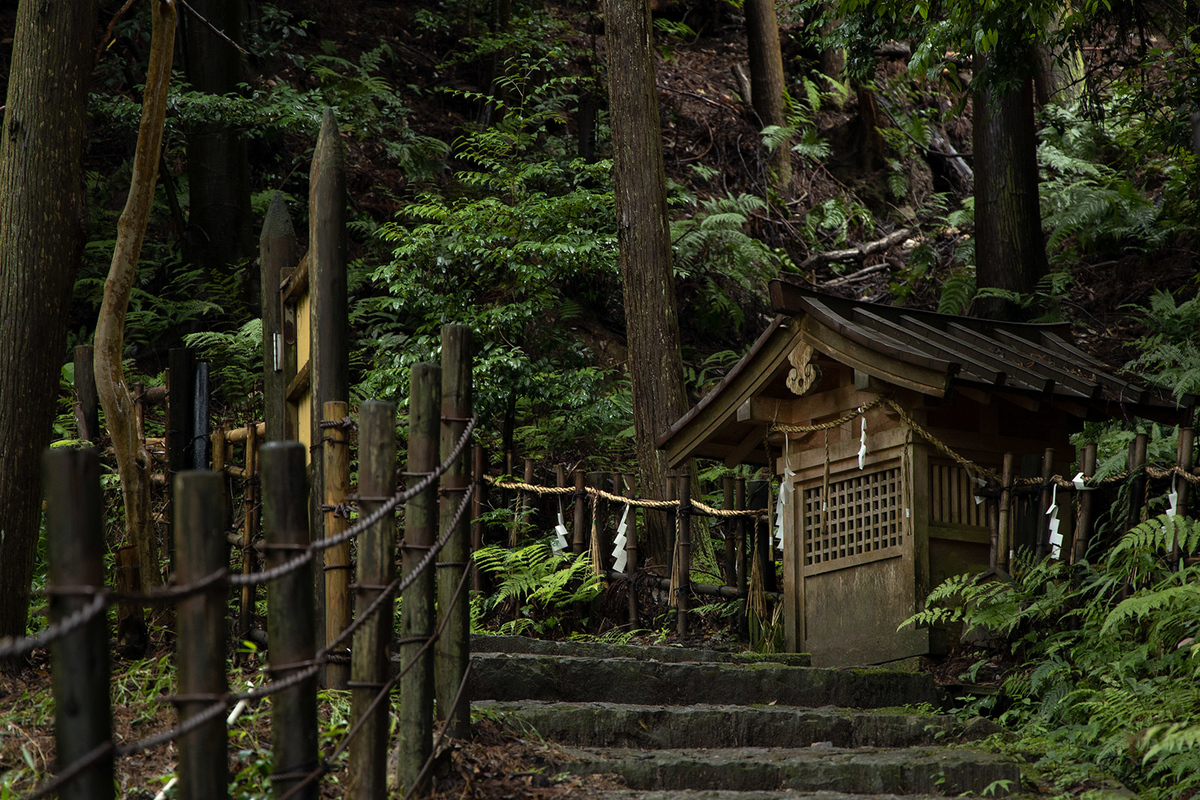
277	250
335	471
250	512
452	653
1137	480
579	518
1043	538
80	673
684	579
376	569
1005	534
87	405
1086	504
181	421
200	645
416	607
290	618
328	362
598	521
200	418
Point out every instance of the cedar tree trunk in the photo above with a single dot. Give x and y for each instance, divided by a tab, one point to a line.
219	218
1010	251
768	87
43	220
643	236
133	462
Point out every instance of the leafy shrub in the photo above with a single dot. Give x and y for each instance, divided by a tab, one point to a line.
537	588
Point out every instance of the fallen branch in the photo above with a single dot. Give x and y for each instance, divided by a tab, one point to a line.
858	253
856	276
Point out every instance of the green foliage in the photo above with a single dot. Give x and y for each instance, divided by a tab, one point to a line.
236	360
831	223
536	589
1107	656
1170	355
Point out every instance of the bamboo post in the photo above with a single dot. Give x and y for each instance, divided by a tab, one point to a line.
87	405
743	576
1043	540
993	515
730	563
277	250
1086	504
1137	480
417	608
598	518
1006	477
250	521
335	471
477	470
684	579
579	520
453	653
200	644
80	661
199	418
376	569
290	619
132	633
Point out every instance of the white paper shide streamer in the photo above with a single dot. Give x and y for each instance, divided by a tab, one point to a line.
862	443
619	543
787	491
1052	512
560	531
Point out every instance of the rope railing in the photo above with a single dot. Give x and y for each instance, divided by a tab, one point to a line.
697	506
102	598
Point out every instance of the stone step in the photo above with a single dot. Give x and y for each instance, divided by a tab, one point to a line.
542	647
779	794
859	771
665	727
498	676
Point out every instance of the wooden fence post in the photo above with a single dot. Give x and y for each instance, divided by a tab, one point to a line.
250	512
1183	460
743	576
452	653
1083	527
87	409
181	420
727	529
335	472
290	618
376	569
80	661
579	518
416	607
200	644
277	250
684	579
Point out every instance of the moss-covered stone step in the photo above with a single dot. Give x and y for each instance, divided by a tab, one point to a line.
780	794
497	676
542	647
861	771
661	727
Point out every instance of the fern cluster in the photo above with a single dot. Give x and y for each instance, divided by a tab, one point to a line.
537	591
1107	656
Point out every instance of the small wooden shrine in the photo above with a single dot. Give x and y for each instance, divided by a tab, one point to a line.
882	505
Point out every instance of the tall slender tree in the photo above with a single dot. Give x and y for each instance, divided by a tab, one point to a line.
768	85
644	241
43	221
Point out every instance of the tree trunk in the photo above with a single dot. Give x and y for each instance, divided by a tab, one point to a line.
768	86
1010	251
133	462
643	236
43	219
219	217
1058	73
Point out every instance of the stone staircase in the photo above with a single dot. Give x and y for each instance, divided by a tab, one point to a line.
678	723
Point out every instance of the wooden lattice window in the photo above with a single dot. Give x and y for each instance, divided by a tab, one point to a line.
863	516
952	497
